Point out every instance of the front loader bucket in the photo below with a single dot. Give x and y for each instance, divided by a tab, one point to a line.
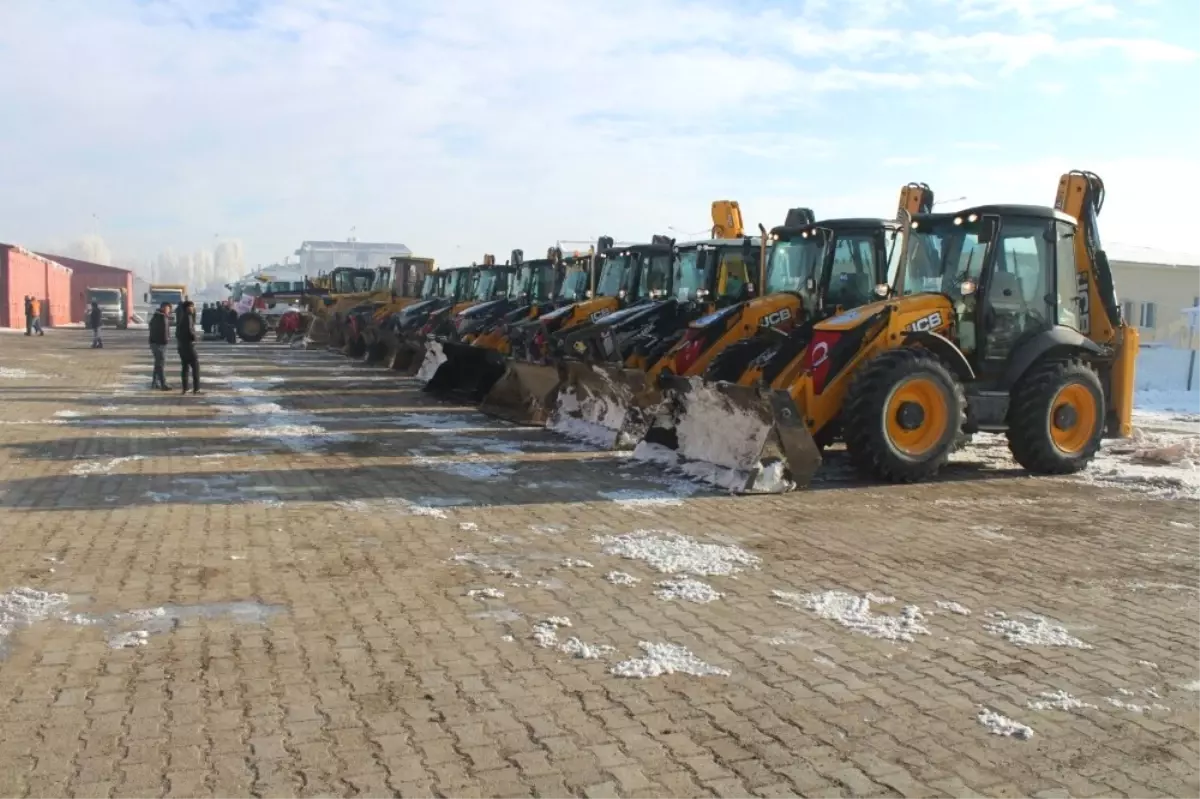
467	371
410	355
745	439
524	394
594	402
318	333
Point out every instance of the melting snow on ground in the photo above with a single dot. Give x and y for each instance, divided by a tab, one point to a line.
390	504
545	632
102	467
763	479
1164	465
999	724
631	499
854	613
68	414
663	658
485	593
20	374
24	606
469	469
1033	631
673	553
953	607
1058	700
575	563
687	589
621	578
1133	707
581	649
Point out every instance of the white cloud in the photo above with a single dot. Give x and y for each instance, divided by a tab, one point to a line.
459	128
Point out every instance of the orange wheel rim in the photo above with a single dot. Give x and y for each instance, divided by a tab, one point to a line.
1073	415
917	414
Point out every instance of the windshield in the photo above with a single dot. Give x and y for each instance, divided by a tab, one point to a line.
612	275
352	282
656	275
574	285
430	286
691	273
792	263
453	287
104	296
159	296
487	283
940	256
524	284
383	279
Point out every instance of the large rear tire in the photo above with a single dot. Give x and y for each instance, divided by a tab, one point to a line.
1056	418
901	417
251	327
731	362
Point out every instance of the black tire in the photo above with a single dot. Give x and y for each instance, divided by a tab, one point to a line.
251	327
732	361
1037	410
865	416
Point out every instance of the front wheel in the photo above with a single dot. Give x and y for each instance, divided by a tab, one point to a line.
251	327
1056	418
903	412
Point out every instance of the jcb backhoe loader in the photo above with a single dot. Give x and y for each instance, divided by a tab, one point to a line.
396	287
813	270
330	296
487	282
1003	318
607	388
620	277
473	358
442	288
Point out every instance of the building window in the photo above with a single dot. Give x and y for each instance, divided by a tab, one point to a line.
1127	310
1149	315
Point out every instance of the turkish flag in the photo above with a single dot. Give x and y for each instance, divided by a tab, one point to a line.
816	357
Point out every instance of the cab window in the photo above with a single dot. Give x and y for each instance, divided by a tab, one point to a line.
852	274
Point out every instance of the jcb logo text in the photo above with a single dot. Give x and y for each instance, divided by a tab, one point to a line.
931	322
597	315
777	318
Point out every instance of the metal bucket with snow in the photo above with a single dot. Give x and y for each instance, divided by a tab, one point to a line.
525	393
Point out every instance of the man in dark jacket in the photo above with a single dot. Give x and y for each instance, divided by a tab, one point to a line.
95	319
185	339
158	345
28	315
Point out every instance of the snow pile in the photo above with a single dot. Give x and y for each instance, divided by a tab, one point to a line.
485	593
435	356
621	578
1035	631
128	640
578	648
575	563
672	553
593	418
1194	685
687	589
1165	465
999	724
102	467
1058	700
953	607
854	613
468	526
545	632
665	659
1133	707
24	606
631	499
68	414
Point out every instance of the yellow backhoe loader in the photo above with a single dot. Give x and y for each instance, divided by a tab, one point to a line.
1002	318
442	288
329	296
396	287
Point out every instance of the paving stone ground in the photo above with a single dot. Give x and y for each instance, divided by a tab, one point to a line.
255	591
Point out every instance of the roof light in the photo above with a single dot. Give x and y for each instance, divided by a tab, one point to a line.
915	225
973	218
958	220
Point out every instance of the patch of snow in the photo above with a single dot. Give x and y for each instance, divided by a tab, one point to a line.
990	532
953	607
621	578
999	724
24	606
1058	700
672	553
1132	707
664	658
578	648
545	632
13	373
1194	685
631	499
688	590
507	639
575	563
435	356
485	593
1149	664
468	526
128	640
68	414
1163	465
854	613
102	467
1035	631
764	478
470	470
548	529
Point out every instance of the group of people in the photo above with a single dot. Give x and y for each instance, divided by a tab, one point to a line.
219	318
185	343
33	316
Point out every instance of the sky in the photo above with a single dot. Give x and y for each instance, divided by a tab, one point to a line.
465	127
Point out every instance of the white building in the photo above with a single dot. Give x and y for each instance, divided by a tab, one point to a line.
324	256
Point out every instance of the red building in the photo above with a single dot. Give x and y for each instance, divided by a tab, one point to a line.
87	275
24	273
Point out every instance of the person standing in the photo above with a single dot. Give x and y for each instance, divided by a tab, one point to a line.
158	345
28	315
185	340
37	317
95	319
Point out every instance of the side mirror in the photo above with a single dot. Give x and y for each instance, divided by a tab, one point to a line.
967	287
810	284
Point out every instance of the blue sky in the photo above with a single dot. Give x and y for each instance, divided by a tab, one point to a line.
475	126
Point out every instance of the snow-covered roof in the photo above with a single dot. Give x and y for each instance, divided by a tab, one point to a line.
35	256
1126	253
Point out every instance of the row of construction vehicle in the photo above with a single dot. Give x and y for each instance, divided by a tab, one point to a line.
740	358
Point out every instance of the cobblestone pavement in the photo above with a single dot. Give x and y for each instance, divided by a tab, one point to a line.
314	579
